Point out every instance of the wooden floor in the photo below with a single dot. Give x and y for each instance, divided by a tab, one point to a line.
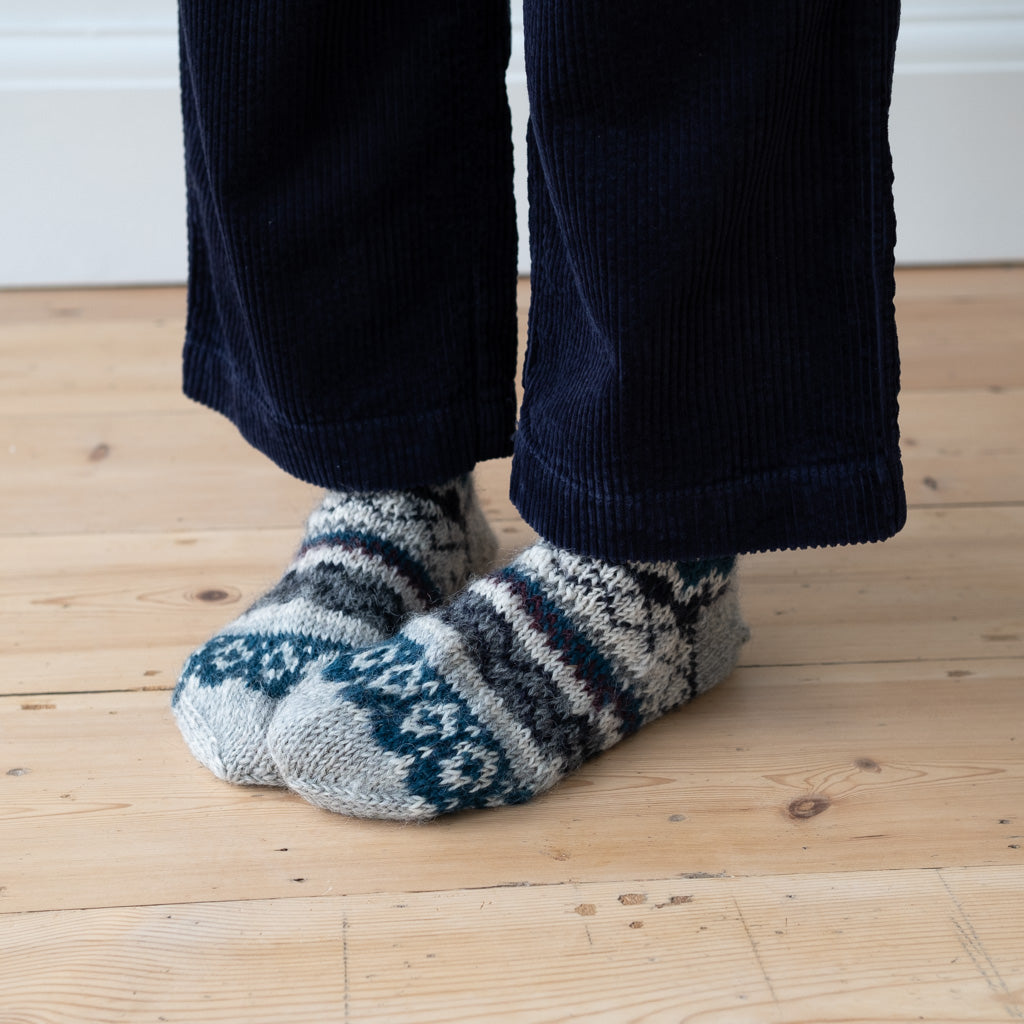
835	834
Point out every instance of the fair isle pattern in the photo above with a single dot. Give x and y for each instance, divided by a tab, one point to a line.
367	561
524	676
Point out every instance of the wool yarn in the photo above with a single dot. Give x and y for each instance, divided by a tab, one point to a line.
525	675
366	562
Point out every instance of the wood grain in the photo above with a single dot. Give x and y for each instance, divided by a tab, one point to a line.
836	833
85	306
948	587
189	469
140	471
961	327
958	445
862	768
66	367
724	951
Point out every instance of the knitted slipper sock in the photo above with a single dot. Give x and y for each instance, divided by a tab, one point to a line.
367	561
525	675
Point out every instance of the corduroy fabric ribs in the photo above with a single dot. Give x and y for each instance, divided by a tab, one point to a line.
493	699
712	362
352	233
366	563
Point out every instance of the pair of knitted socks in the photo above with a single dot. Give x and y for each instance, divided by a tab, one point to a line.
386	676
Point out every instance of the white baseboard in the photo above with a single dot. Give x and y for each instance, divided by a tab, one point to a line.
92	179
93	187
958	133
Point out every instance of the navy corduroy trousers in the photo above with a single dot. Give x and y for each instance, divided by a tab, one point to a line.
712	364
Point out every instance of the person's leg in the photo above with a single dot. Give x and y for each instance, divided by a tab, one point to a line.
712	370
712	366
525	675
367	560
352	233
352	310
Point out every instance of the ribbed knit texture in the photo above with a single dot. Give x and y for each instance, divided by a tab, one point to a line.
352	240
367	561
524	676
712	362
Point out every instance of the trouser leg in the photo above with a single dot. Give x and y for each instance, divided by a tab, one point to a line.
712	366
352	235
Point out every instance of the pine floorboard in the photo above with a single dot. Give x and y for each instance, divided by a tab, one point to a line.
834	834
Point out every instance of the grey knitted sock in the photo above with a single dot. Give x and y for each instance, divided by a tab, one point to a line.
525	675
367	561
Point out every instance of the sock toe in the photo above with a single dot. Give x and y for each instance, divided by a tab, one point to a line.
227	694
355	776
367	561
528	673
230	743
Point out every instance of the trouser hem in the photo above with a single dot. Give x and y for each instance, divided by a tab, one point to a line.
388	453
804	506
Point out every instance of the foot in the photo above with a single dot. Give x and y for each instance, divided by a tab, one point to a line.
367	561
525	675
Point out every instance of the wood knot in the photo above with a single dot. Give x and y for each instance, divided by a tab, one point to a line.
674	901
804	807
215	596
99	453
632	899
867	764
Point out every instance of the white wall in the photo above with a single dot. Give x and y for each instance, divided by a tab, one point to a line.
957	131
91	179
92	190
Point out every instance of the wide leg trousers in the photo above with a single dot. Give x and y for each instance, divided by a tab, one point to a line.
712	365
